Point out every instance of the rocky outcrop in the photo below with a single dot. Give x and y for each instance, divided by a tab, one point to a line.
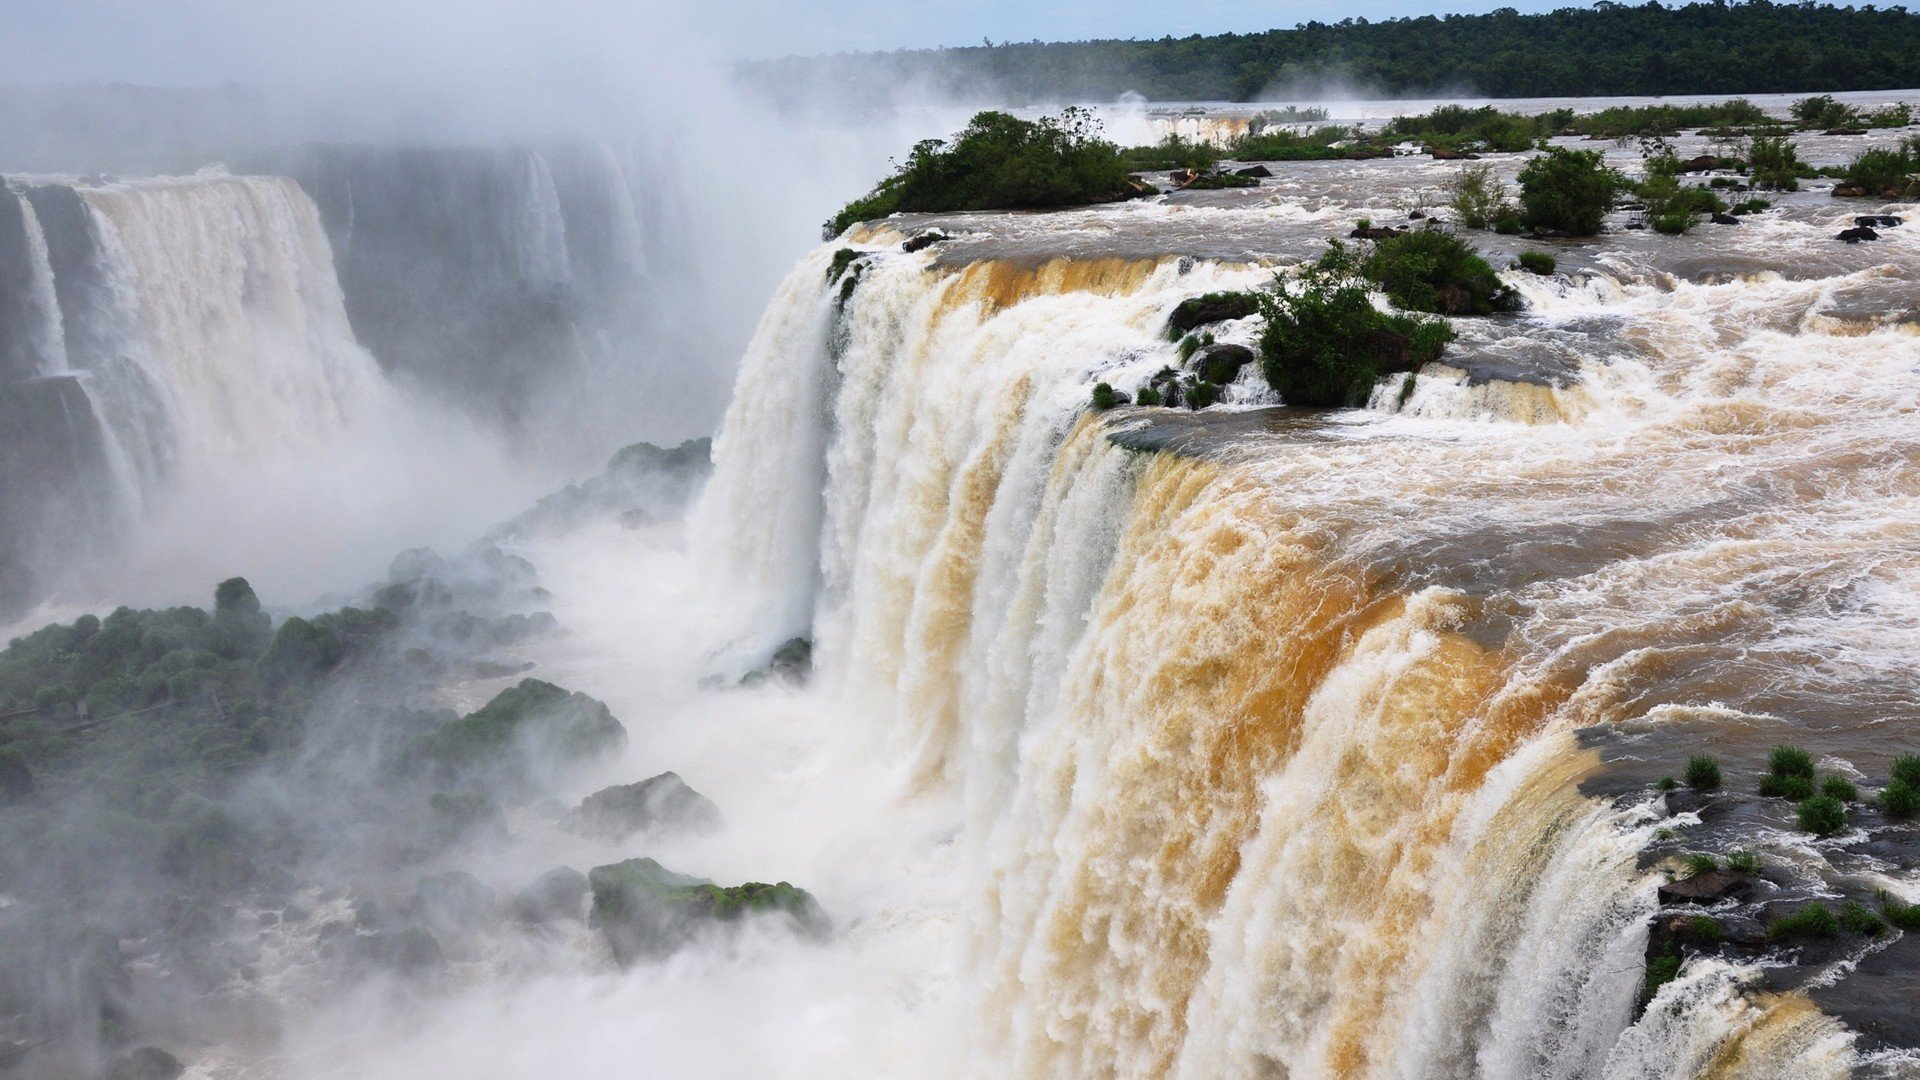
524	736
660	803
646	911
1857	234
1220	363
1211	308
557	895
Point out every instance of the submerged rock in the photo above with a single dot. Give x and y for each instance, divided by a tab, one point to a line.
924	240
1857	234
646	911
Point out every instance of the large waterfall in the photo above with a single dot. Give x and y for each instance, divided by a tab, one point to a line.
1324	744
159	329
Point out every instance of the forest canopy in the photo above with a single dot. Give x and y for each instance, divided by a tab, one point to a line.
1607	49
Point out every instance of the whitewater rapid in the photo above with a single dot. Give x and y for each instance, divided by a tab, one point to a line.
1272	752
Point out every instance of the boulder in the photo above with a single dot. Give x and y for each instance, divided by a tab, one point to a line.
1220	363
646	911
525	732
1704	163
1885	221
1725	219
1212	308
1375	232
1847	191
923	241
1441	153
1706	888
1857	234
557	895
663	802
454	906
146	1063
1259	172
792	662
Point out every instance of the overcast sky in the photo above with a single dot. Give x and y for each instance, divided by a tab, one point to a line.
200	42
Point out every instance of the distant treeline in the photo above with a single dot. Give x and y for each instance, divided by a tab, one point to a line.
1608	49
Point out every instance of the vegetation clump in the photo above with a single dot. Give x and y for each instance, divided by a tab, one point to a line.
1743	862
1703	773
1815	920
524	728
1536	262
1775	163
1856	919
1896	911
1478	197
1839	787
1104	397
1000	162
1882	172
1567	191
1434	271
1326	344
1822	815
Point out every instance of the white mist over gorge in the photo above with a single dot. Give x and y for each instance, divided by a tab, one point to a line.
1313	588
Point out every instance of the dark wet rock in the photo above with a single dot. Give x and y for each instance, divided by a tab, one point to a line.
557	895
924	241
1725	219
1686	801
792	662
1707	163
1212	308
658	481
1259	172
1375	232
647	911
454	906
146	1063
1221	362
1876	998
1706	888
1887	221
1441	153
1417	215
1857	234
1845	131
1847	191
659	803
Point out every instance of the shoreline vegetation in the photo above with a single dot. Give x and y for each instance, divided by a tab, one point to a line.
1002	162
1608	49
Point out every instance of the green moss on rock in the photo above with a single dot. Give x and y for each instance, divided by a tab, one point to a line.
647	911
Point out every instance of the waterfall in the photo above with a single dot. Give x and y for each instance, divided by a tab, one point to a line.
1272	751
199	323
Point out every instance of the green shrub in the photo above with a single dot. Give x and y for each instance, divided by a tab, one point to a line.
1434	271
1751	206
1326	344
1903	915
1824	112
1147	395
1537	262
1899	800
1743	862
1672	224
1839	787
1000	162
1775	162
1790	761
1567	190
1814	920
1478	197
1204	393
1822	815
1507	225
1906	770
1701	863
1103	397
1667	783
1880	172
1856	919
842	259
1703	773
1791	788
1188	346
1661	970
1896	115
1172	152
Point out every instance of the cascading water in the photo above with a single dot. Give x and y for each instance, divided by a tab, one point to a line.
1278	747
177	324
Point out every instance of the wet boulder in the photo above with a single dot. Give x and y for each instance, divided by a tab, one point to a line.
1857	234
792	662
923	241
660	803
1220	363
1706	888
1441	153
558	895
521	738
1201	311
646	911
1258	172
1725	219
1374	232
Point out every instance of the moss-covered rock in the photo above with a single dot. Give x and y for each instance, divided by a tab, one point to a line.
1201	311
1220	363
523	735
663	802
647	911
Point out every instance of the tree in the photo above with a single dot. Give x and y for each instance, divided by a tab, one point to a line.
1567	190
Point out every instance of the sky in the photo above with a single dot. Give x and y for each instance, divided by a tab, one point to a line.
207	42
